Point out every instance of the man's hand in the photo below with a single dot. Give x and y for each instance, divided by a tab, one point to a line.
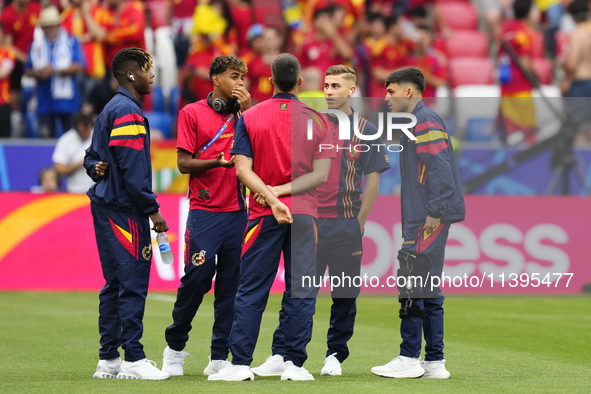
261	199
431	224
361	224
281	213
44	73
160	225
242	94
101	168
223	162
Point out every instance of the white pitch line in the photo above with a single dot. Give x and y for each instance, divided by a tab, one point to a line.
162	297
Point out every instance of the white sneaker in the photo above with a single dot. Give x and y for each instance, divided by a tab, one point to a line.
142	369
233	373
400	367
435	369
108	369
332	366
215	366
173	361
274	366
295	373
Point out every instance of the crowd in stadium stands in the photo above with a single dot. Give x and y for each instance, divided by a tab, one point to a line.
440	37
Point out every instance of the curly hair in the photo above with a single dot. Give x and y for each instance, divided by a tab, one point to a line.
220	64
127	56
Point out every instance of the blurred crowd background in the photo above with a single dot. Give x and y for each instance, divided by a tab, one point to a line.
496	70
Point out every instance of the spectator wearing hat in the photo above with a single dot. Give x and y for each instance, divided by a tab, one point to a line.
54	60
266	43
18	21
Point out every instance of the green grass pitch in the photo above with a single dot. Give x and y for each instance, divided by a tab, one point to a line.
49	343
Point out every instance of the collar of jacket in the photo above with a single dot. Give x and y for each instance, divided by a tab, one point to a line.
126	93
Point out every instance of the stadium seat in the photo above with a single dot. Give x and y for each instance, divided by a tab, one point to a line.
158	14
157	99
460	16
543	68
467	44
539	47
480	130
475	101
548	123
160	121
471	71
561	42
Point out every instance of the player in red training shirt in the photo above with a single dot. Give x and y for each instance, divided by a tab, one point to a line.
342	214
273	147
217	215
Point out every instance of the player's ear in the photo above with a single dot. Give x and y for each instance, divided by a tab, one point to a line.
215	79
271	82
352	90
300	81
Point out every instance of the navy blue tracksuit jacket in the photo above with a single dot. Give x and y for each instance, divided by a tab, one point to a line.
128	184
430	177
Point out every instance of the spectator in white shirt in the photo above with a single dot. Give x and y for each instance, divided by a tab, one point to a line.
68	156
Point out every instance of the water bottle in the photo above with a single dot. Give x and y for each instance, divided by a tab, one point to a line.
164	246
504	70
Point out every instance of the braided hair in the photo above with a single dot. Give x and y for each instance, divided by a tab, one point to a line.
128	56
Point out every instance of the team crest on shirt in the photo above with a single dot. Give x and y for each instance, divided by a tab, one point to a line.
351	153
198	258
283	106
387	159
147	252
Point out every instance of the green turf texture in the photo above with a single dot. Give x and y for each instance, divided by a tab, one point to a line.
49	344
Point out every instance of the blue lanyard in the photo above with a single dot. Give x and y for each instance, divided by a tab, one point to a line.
215	137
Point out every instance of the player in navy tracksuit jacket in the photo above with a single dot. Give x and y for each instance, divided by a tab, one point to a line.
431	199
122	200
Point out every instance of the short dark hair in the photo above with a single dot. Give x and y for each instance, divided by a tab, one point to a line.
418	12
286	72
579	9
390	21
83	119
521	8
374	17
407	75
328	10
220	64
128	56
